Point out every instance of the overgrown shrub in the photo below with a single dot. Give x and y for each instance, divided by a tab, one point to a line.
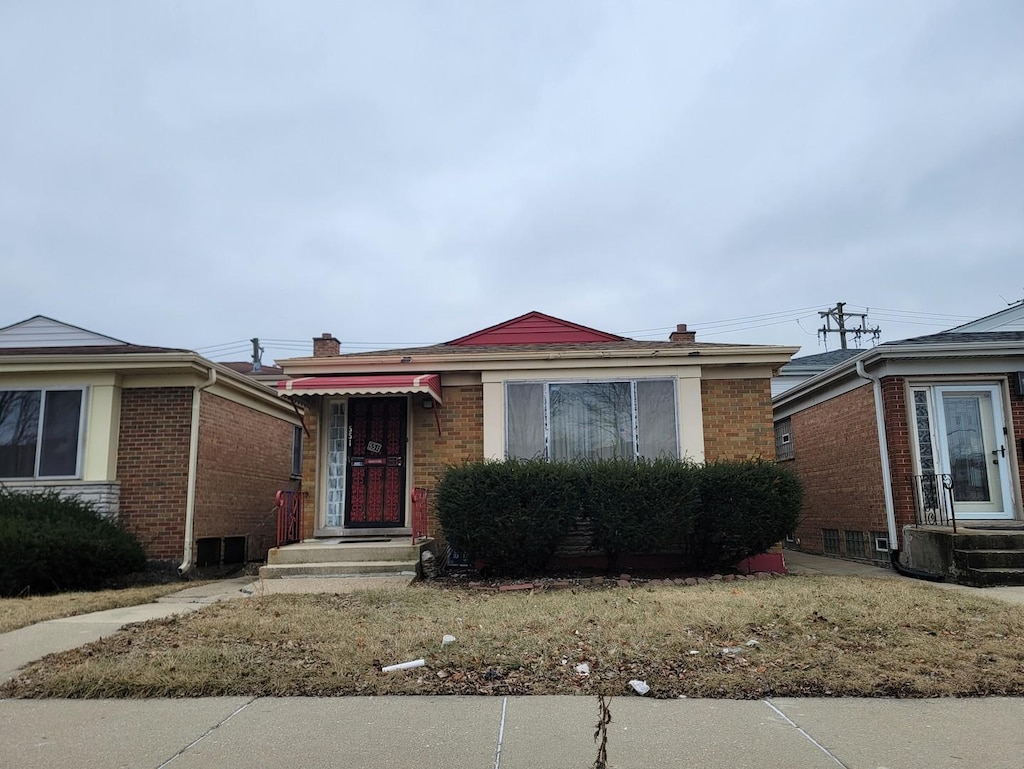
745	508
50	543
513	515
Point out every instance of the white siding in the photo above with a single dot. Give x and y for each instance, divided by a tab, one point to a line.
46	332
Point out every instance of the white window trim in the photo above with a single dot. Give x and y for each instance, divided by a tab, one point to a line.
632	382
79	458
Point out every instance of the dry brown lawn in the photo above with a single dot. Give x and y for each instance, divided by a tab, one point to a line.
21	612
820	636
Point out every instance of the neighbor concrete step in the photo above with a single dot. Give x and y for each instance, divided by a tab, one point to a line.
981	539
337	568
991	577
989	559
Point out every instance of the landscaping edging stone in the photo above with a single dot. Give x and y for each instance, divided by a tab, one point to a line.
593	583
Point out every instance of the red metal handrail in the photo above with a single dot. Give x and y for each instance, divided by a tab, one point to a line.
419	514
289	516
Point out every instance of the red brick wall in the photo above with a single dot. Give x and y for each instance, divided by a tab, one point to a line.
245	457
310	499
737	418
835	448
901	453
1017	417
461	438
152	466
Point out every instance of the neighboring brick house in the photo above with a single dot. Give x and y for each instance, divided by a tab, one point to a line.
384	423
184	452
952	409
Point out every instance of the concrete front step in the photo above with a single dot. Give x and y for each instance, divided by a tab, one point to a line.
989	559
325	551
991	577
980	539
337	569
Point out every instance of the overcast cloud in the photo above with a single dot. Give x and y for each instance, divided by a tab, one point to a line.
195	173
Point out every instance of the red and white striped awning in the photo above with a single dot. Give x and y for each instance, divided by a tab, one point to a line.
385	384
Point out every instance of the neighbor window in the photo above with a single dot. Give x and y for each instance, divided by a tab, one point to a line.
784	439
296	451
39	433
564	421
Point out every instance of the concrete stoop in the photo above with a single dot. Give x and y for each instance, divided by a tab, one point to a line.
345	558
979	557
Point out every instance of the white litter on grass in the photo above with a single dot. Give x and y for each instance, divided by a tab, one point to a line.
693	651
583	669
752	642
447	639
732	650
404	666
640	687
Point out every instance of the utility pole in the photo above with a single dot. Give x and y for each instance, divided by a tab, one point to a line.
840	317
257	353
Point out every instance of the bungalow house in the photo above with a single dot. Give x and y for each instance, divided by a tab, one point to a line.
184	452
915	448
803	368
383	424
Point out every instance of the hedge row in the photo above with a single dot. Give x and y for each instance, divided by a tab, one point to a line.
513	515
50	543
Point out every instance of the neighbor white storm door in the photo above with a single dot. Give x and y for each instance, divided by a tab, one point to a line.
968	442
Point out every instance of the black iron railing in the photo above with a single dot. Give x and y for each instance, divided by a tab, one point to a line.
933	498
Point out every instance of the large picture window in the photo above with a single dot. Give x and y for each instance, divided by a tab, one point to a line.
563	421
40	433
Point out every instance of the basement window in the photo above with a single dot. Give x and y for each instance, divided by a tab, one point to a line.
830	541
856	544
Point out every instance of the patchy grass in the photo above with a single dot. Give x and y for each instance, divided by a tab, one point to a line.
21	612
815	636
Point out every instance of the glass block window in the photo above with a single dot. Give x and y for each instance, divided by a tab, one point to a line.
830	541
923	431
856	544
337	440
783	439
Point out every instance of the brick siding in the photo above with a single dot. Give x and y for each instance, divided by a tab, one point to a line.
737	418
461	439
245	456
152	466
835	450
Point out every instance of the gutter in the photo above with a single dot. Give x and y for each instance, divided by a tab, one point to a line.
187	563
890	510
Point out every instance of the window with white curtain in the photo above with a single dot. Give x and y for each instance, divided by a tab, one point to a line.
563	421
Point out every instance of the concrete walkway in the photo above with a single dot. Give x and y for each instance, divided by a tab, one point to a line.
807	564
20	647
511	733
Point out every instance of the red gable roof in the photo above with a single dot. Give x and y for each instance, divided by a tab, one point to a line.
535	328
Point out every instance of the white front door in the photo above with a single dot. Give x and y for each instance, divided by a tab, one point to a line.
971	448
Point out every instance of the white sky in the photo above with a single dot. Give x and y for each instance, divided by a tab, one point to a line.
193	174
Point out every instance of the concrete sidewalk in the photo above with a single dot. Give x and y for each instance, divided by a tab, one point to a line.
511	733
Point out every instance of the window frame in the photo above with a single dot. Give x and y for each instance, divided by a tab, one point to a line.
83	409
546	385
297	440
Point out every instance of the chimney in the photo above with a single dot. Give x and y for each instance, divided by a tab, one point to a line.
326	346
682	335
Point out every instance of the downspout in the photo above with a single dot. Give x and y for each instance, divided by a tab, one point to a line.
890	509
187	563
